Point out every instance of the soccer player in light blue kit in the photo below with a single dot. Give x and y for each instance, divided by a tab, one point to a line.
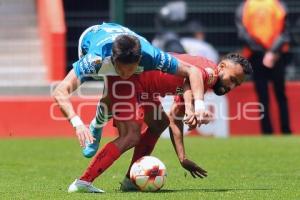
113	50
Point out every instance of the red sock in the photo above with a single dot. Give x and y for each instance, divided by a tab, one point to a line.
103	159
144	148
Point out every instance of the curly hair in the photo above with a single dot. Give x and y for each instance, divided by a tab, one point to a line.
238	59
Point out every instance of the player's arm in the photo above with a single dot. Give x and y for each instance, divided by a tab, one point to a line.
197	87
63	91
176	134
62	95
192	73
158	59
86	68
188	96
189	117
196	82
163	61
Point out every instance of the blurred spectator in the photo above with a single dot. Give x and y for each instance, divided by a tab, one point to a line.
262	25
172	14
168	41
296	54
196	44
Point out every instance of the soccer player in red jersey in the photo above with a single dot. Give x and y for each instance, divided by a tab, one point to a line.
141	104
213	77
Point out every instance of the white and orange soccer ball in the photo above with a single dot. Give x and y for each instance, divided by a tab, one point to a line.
148	174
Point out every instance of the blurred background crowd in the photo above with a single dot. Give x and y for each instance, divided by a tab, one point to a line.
215	20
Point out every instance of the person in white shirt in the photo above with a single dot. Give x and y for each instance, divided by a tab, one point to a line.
196	44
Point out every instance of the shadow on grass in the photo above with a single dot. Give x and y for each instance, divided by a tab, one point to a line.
208	190
214	190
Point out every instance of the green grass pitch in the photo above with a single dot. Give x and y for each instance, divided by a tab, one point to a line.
238	168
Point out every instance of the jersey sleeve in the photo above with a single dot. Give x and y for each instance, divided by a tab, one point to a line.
87	67
155	59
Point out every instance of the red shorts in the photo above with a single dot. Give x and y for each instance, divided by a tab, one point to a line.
123	99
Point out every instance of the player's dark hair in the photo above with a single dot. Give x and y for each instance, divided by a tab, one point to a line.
238	59
126	49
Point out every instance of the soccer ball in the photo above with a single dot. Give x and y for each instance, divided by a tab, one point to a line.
148	174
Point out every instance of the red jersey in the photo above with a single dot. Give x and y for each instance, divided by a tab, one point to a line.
149	85
168	84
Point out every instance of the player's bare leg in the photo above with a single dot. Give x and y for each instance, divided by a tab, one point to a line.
129	136
102	116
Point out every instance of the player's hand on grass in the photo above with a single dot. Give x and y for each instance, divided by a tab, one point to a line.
193	168
83	134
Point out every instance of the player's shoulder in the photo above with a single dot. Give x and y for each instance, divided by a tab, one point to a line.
198	61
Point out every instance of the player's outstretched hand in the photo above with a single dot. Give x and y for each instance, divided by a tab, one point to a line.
193	168
83	134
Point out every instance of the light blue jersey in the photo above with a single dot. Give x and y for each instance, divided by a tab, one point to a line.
96	49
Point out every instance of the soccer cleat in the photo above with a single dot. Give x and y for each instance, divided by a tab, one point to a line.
91	149
127	185
79	186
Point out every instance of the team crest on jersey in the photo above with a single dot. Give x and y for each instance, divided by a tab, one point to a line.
211	75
